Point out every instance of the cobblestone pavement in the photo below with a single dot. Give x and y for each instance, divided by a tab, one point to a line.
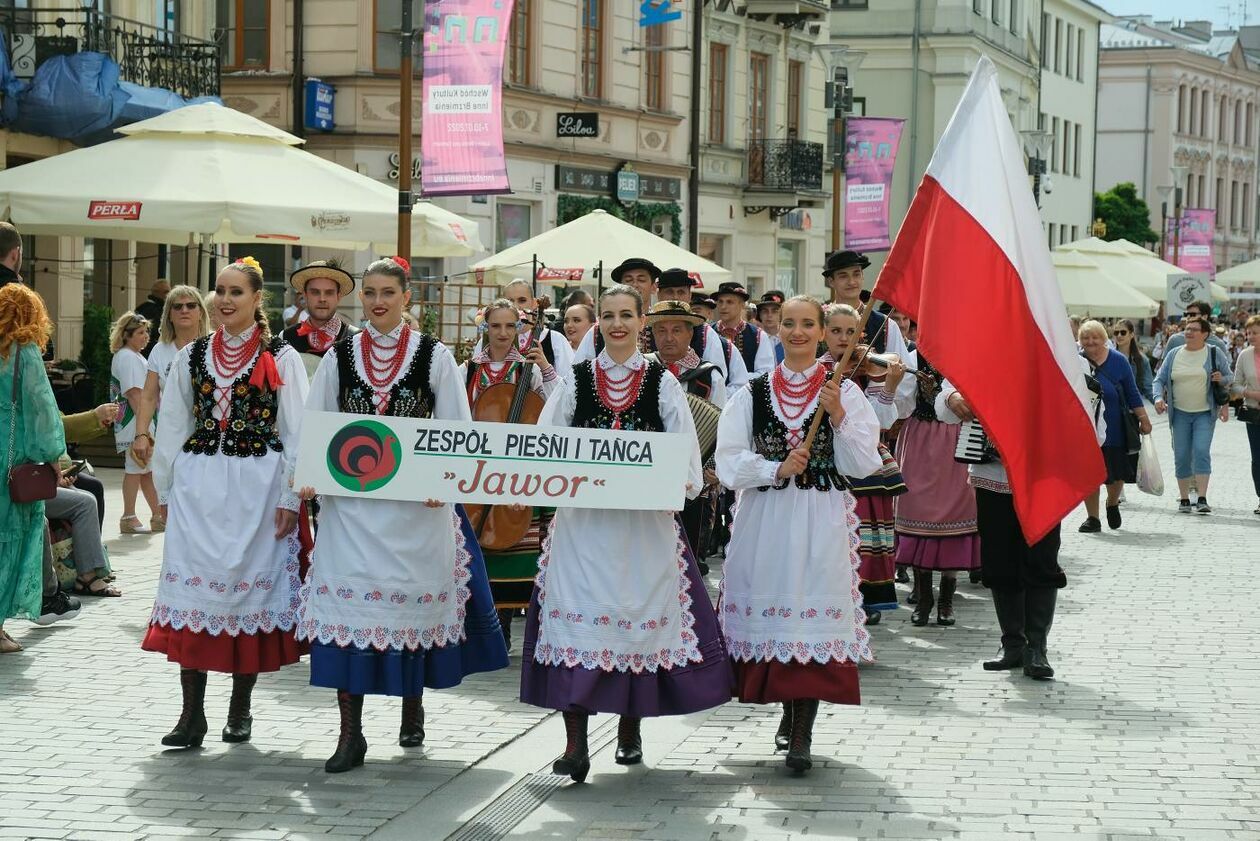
1152	729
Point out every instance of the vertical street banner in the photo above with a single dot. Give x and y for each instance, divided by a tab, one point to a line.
1194	251
461	141
870	155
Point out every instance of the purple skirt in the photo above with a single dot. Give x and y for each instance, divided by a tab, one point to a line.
677	691
939	553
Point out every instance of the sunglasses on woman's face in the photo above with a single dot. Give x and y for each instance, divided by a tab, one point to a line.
1120	332
184	305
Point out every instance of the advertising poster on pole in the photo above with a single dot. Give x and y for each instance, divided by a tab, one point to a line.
870	155
461	141
1193	249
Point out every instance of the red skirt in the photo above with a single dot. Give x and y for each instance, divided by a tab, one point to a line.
761	682
241	654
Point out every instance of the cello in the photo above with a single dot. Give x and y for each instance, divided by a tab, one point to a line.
500	527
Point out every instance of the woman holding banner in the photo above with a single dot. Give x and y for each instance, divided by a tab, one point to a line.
499	361
790	604
397	598
620	621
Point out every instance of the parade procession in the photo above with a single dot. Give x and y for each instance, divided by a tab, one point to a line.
475	483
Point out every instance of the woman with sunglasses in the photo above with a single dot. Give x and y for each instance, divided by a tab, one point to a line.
1124	335
184	319
127	372
499	360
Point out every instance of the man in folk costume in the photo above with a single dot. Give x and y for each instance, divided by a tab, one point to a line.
768	311
672	324
675	285
555	346
642	275
843	275
752	343
324	283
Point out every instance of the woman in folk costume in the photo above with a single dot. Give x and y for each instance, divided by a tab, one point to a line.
790	605
397	599
936	517
499	360
227	444
620	621
874	492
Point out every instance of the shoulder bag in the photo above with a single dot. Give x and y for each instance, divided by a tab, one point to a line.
29	481
1220	391
1132	429
1245	413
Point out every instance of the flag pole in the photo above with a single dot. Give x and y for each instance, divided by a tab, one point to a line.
405	38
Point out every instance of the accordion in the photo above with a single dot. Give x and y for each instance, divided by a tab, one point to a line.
974	447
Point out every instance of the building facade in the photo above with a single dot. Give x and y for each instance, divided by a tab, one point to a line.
763	129
919	54
168	44
563	57
1184	96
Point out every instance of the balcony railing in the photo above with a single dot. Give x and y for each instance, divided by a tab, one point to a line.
146	55
784	165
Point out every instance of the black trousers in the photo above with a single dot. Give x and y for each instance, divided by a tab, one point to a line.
1006	559
93	486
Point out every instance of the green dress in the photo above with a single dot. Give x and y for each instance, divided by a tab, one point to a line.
38	437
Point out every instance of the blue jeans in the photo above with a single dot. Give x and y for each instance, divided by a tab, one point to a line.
1192	443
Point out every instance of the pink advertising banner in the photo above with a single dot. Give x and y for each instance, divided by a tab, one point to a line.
1193	251
461	142
870	154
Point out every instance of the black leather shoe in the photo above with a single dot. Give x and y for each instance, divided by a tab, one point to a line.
1010	658
1092	525
1113	517
873	617
923	602
783	736
349	755
411	733
803	714
1036	665
240	723
629	742
903	574
576	761
238	730
190	730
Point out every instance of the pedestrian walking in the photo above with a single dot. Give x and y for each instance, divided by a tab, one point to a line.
790	604
1124	336
935	519
1247	387
28	412
184	319
1125	416
224	459
1193	387
875	492
397	598
127	340
500	361
620	620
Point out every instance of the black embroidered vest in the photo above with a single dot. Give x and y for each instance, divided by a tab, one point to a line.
644	415
770	440
409	397
251	419
880	345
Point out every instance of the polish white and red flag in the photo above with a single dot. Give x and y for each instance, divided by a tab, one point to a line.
971	266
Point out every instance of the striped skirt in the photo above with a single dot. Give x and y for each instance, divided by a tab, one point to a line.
512	571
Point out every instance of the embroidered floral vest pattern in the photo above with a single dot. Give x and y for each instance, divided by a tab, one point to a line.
410	396
643	416
770	440
251	419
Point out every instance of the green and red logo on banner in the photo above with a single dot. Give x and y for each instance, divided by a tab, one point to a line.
364	456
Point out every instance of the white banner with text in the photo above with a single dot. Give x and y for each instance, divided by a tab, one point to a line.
498	463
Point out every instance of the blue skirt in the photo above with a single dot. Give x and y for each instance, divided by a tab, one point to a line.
404	673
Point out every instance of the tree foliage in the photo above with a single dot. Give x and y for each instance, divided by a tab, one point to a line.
1125	214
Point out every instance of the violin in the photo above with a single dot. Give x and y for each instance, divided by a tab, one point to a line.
500	527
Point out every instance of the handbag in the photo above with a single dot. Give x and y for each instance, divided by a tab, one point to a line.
1132	429
28	481
1220	391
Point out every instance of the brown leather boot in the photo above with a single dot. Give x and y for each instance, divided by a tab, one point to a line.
576	762
190	730
351	746
240	723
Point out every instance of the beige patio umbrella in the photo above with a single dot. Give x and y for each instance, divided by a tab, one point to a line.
572	252
1134	265
1091	291
1242	275
212	174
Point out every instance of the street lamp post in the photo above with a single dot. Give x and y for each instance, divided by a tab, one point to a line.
1037	143
1164	192
406	36
844	65
1179	178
